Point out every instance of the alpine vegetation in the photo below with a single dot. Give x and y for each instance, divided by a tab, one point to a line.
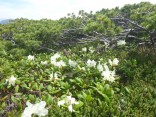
99	64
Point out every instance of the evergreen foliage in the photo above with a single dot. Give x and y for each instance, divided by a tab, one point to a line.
65	57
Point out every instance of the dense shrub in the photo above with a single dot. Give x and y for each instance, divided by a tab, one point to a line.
39	73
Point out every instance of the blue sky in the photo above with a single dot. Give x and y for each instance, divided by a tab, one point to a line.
55	9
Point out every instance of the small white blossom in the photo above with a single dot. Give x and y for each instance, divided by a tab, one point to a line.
11	80
84	49
30	57
53	76
40	109
106	44
91	49
72	63
55	56
114	62
100	67
69	101
91	63
53	62
62	102
83	68
44	62
36	109
60	64
70	108
121	42
106	67
108	75
29	110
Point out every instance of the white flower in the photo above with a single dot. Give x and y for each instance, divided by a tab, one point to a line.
91	49
114	62
30	57
29	110
84	49
40	109
11	80
100	67
53	62
91	63
61	102
53	76
44	62
106	67
106	44
72	63
121	42
70	108
55	56
108	75
69	101
37	109
83	68
60	64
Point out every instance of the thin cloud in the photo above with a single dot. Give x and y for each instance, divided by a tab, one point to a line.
55	9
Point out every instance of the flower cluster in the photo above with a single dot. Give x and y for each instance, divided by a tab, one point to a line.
121	42
108	75
39	108
91	63
55	62
55	56
36	109
30	57
114	62
84	49
72	63
11	80
100	67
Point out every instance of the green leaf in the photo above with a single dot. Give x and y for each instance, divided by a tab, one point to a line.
127	90
89	98
25	86
35	86
3	104
18	82
77	106
49	99
31	97
2	85
19	105
49	88
102	94
84	94
41	86
117	89
13	99
18	94
106	87
16	89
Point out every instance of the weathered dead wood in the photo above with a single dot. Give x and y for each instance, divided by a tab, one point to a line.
134	29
